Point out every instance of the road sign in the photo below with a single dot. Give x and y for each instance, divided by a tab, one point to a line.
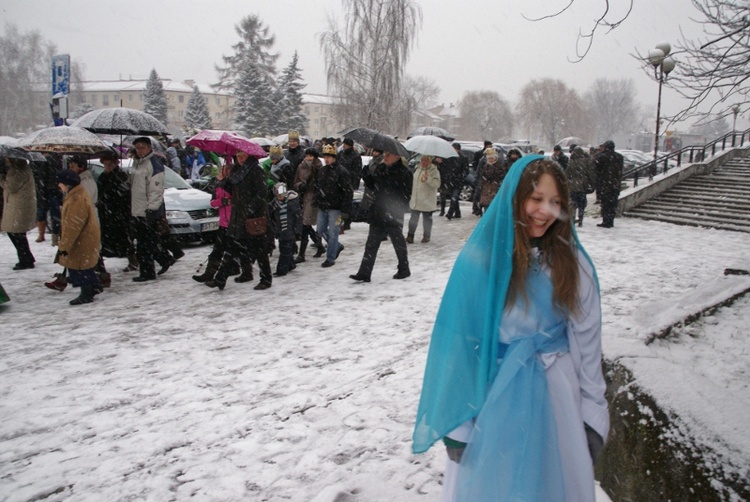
61	75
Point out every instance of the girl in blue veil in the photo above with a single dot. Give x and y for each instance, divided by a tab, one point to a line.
513	382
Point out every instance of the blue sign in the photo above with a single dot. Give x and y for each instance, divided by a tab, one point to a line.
61	75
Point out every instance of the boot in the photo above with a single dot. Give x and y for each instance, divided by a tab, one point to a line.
320	252
55	239
410	238
302	248
425	239
246	264
42	226
211	267
106	279
213	283
59	284
132	264
86	296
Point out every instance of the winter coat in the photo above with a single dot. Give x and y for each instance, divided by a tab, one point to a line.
283	172
368	196
223	202
492	176
114	213
89	183
19	198
351	161
608	166
562	160
174	160
332	189
287	217
425	184
247	185
295	156
146	186
304	179
580	172
451	174
79	231
391	192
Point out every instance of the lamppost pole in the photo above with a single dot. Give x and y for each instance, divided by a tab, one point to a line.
662	66
735	111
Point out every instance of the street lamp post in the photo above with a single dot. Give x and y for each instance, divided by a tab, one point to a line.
735	111
658	57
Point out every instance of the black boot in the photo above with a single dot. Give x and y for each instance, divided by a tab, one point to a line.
86	296
320	252
211	267
302	248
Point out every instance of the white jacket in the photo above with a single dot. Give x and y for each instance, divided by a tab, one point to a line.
424	188
146	185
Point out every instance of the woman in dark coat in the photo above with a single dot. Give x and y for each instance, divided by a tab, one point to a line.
114	208
247	185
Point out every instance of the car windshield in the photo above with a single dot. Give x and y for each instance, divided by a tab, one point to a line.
174	180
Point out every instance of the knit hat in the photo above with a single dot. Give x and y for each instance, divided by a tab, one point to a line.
276	152
294	135
68	177
349	141
79	160
312	151
329	150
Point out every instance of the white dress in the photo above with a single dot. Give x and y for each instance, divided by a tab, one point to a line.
576	387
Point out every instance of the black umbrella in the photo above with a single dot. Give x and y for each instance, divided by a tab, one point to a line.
431	131
122	121
386	143
11	152
362	135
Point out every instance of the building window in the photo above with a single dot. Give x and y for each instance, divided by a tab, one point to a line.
218	101
307	110
317	109
179	114
141	98
105	99
181	99
93	99
117	98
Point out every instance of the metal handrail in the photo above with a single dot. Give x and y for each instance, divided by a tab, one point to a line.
693	153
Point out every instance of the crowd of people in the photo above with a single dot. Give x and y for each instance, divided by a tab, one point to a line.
296	197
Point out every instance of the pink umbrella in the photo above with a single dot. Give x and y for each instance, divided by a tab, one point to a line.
225	143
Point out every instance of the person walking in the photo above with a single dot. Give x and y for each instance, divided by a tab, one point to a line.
19	208
80	238
492	174
425	184
581	180
332	195
608	165
522	410
304	179
390	183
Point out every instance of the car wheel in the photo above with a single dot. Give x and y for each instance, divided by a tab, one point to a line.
467	193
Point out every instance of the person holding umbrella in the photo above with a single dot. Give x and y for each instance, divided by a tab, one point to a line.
19	207
390	182
423	194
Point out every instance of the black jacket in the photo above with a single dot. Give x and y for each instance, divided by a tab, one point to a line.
352	162
332	188
608	166
391	191
295	156
247	184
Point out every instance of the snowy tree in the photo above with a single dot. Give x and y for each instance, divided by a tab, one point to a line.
365	60
287	101
485	115
25	60
154	100
551	110
256	42
81	110
253	106
197	116
612	107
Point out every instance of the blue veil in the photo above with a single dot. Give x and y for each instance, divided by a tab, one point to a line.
462	359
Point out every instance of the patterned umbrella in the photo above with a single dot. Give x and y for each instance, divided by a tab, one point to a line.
63	139
122	121
226	143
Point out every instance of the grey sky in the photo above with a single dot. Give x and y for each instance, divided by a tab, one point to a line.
464	45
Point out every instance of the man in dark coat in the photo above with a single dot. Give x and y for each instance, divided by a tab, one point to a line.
351	161
608	165
295	154
560	157
332	195
391	184
247	185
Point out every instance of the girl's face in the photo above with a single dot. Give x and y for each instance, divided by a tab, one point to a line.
542	207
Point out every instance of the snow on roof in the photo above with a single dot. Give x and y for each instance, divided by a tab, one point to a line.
140	86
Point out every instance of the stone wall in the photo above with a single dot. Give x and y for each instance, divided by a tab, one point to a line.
651	456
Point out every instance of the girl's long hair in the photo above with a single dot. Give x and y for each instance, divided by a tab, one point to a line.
557	245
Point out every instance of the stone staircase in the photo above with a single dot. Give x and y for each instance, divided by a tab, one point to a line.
718	200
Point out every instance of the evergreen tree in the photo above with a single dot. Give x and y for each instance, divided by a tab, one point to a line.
197	116
287	100
254	107
154	100
255	40
81	110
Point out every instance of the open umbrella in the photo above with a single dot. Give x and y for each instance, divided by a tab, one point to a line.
12	152
386	143
283	139
431	131
157	146
361	135
124	121
226	143
7	141
262	141
430	145
571	140
63	139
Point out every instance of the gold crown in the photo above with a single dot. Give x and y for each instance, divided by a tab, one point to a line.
294	135
329	150
276	150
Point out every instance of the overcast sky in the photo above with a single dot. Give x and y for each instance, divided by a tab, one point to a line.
464	45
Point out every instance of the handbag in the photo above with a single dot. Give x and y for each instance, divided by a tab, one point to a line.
256	226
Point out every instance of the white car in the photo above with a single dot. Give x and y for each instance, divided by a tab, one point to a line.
189	212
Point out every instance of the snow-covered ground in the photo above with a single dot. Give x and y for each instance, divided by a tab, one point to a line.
307	391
